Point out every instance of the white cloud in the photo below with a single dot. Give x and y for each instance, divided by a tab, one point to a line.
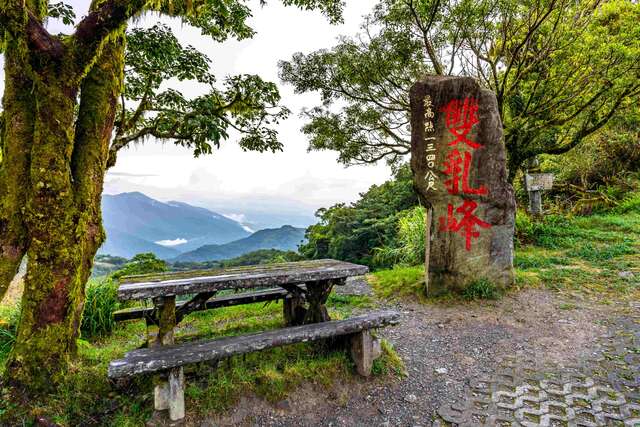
170	243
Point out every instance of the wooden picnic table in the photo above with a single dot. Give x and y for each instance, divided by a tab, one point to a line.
307	285
309	281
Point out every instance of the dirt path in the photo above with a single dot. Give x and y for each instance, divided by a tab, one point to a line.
445	350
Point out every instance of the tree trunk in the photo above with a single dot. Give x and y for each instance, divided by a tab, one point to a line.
69	152
17	134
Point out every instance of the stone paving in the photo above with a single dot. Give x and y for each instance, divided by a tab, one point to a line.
602	390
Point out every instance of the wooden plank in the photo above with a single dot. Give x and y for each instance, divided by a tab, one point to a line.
219	302
171	275
238	278
158	359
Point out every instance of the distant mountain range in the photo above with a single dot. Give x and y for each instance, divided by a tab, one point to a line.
136	223
286	238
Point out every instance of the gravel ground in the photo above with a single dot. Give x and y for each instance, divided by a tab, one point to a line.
444	348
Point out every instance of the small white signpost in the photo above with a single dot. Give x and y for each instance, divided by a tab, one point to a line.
536	183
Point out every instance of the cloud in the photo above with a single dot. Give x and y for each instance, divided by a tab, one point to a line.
170	243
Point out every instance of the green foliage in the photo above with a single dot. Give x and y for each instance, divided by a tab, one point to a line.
100	303
560	70
409	245
631	203
141	264
101	295
351	233
63	12
481	289
244	103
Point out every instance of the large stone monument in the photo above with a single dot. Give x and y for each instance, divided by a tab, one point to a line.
459	169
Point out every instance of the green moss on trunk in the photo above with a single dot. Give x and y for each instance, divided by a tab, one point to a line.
66	174
17	134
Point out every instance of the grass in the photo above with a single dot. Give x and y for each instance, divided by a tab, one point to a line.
88	398
399	282
9	316
584	255
100	303
481	289
567	254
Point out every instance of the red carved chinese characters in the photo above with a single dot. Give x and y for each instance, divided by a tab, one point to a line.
460	117
457	173
468	222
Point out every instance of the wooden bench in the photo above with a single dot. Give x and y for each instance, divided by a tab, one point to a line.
305	287
364	349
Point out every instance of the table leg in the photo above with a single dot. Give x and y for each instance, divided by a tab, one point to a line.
294	310
169	387
317	294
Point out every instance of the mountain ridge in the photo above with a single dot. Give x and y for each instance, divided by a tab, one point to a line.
284	238
136	223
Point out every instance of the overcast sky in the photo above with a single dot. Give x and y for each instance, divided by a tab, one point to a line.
231	180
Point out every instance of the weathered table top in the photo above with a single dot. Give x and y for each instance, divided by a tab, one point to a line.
193	282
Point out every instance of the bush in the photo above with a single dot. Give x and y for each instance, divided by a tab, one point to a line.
141	264
100	303
631	203
481	289
409	245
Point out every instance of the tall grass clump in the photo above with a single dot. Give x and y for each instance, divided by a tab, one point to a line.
409	245
100	303
481	289
9	317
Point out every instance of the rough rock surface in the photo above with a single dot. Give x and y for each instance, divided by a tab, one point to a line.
458	161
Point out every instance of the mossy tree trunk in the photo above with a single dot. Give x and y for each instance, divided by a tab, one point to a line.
56	137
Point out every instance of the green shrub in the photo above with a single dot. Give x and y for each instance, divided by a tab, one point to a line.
141	264
481	289
100	303
631	203
409	247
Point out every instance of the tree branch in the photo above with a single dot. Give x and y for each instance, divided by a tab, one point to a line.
99	23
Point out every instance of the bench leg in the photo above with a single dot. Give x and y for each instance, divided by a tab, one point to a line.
176	394
364	350
169	387
161	395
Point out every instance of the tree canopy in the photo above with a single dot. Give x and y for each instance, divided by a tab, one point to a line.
560	69
351	232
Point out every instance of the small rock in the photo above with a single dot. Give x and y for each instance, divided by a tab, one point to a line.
440	325
411	398
626	274
442	370
283	405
